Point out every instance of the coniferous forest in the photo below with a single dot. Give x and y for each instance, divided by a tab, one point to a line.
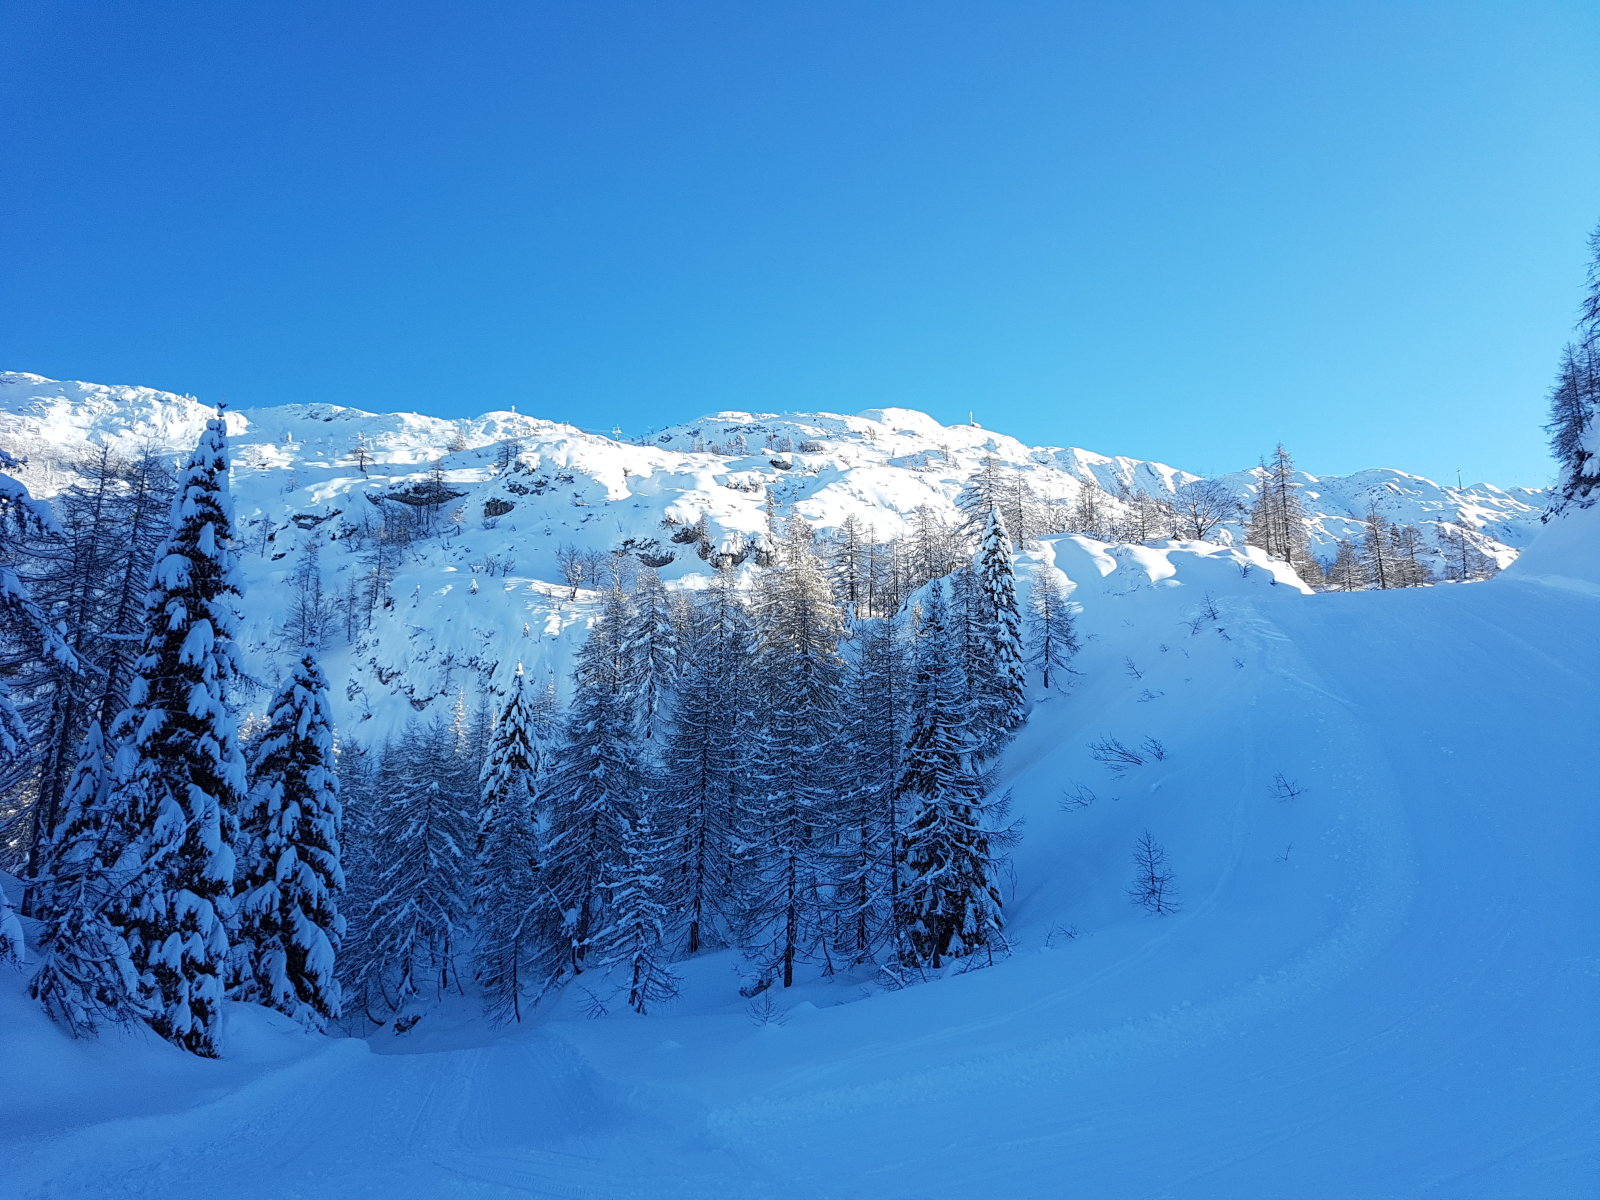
713	601
795	760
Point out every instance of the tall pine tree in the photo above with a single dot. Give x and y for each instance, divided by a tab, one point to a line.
1378	555
517	923
1348	573
1278	522
26	634
178	779
91	576
1052	629
998	676
631	936
594	786
877	702
416	902
650	650
793	818
951	901
1575	401
701	786
290	871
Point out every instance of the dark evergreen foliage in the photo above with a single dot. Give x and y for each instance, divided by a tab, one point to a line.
951	902
290	925
178	779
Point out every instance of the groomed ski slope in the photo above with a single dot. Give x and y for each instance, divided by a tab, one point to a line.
1385	986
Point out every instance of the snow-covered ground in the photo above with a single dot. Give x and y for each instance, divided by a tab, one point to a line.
1384	986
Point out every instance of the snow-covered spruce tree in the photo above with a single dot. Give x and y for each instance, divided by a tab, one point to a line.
877	700
594	786
650	650
1574	425
178	780
469	737
544	724
518	925
700	785
289	924
1052	628
1574	419
951	902
417	900
998	677
1261	526
360	771
86	977
792	819
966	627
511	761
630	937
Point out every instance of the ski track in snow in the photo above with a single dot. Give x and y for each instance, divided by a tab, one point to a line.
1400	1006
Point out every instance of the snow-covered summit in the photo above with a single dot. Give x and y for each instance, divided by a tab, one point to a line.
879	465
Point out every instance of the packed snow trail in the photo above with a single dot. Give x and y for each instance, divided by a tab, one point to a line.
1384	986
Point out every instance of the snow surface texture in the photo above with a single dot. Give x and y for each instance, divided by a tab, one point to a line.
484	593
1382	986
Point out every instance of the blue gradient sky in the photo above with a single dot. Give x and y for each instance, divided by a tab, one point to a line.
1178	231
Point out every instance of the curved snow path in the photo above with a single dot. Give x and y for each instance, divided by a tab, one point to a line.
1402	1005
1438	1039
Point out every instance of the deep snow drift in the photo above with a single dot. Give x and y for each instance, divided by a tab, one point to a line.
1384	985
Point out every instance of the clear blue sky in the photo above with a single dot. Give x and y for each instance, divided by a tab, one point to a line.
1178	231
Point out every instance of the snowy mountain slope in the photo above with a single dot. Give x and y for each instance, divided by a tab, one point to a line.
519	488
879	466
1380	987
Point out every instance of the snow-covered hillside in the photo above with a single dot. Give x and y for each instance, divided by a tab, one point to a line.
1381	982
880	466
518	489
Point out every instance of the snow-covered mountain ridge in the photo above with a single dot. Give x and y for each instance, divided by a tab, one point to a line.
480	588
879	465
